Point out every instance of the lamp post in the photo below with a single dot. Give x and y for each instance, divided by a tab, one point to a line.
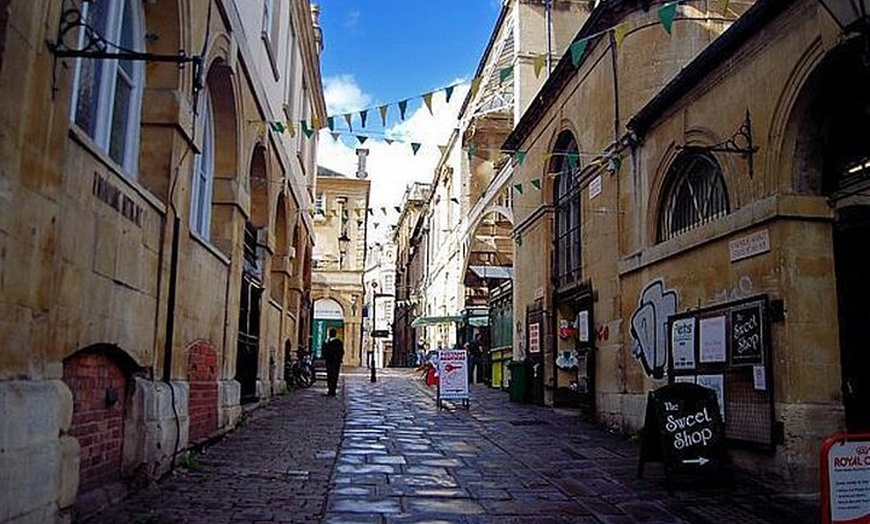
374	373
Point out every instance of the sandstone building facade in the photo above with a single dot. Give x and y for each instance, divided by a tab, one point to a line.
154	235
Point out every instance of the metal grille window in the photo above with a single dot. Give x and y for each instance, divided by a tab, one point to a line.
695	195
565	164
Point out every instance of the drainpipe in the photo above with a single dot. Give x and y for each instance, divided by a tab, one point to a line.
170	332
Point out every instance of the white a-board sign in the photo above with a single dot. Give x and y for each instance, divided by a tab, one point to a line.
452	375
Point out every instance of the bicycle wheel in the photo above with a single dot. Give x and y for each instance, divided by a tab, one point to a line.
305	376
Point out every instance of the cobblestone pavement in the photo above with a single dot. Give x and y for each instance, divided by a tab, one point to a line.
384	453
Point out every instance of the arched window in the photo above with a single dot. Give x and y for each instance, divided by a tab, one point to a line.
565	164
694	195
203	175
107	94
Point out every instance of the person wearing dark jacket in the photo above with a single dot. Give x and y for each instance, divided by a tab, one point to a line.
333	353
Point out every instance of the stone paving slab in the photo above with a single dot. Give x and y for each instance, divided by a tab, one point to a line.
383	453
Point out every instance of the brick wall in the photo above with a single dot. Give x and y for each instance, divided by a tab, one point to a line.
202	379
99	427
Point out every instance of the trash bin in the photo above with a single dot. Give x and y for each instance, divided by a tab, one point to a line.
518	389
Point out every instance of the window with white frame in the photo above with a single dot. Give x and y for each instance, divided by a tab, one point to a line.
107	94
694	194
203	175
270	32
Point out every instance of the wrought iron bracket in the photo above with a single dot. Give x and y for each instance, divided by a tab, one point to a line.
739	143
77	38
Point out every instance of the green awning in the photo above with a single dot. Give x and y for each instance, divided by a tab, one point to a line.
431	321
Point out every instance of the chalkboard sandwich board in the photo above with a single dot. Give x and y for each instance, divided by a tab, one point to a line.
683	430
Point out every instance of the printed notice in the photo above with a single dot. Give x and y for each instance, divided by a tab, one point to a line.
759	378
712	339
849	474
683	343
452	374
717	384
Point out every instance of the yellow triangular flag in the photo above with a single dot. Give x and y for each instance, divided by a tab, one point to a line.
724	5
540	62
619	33
315	123
475	86
383	110
427	99
291	129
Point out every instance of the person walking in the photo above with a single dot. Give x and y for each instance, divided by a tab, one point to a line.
474	354
333	353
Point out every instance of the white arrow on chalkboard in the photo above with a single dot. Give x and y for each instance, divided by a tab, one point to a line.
699	461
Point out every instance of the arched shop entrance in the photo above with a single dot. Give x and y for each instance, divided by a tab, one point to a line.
327	314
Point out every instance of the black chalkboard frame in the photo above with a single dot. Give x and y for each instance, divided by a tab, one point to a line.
762	434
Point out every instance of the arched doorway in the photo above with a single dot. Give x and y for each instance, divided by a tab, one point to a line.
833	138
328	314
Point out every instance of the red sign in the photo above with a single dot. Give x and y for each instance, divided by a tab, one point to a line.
845	471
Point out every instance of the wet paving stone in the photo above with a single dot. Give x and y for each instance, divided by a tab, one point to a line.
385	454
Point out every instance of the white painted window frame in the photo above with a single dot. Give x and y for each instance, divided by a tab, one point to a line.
202	185
110	70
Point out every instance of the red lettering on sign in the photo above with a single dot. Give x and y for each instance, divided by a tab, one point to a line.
602	333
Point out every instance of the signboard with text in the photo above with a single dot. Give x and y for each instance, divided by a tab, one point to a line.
682	429
452	375
846	479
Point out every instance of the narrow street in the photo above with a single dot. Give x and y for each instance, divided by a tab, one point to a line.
383	453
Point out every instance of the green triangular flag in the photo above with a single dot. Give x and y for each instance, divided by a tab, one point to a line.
471	152
362	139
505	73
415	146
573	159
521	157
383	111
398	209
330	121
448	92
304	125
363	116
349	119
278	127
667	13
537	183
577	50
442	149
519	188
371	211
403	106
335	136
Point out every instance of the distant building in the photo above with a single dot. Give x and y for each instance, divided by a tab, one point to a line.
340	215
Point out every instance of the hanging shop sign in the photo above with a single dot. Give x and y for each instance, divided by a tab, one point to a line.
845	472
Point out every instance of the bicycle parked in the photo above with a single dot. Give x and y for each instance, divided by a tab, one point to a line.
301	372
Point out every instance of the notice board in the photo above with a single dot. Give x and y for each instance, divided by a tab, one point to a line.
726	348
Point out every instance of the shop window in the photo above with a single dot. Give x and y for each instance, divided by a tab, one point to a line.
107	94
203	176
694	195
565	165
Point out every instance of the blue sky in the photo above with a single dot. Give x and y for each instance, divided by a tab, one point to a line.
398	49
380	52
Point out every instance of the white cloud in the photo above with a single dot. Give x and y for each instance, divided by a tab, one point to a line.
391	168
343	95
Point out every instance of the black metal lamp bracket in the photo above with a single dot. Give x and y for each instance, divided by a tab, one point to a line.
740	143
77	38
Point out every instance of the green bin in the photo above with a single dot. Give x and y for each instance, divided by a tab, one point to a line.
519	381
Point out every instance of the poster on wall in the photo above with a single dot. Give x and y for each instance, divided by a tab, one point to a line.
747	341
717	384
534	338
683	343
712	339
582	326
